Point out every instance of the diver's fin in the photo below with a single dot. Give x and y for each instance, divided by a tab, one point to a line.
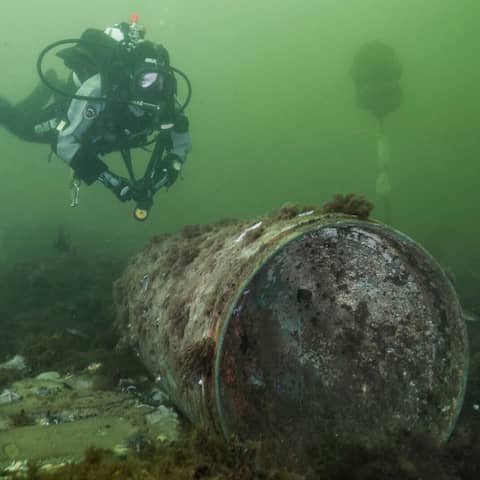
5	111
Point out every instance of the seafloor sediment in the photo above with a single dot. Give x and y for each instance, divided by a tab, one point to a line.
68	388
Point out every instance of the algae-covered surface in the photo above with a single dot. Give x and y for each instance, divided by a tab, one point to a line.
274	118
60	443
63	385
73	405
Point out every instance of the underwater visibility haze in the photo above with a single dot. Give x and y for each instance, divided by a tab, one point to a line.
274	116
293	102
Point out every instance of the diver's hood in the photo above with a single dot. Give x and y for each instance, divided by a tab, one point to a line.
149	54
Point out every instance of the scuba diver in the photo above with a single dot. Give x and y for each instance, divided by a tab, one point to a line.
121	94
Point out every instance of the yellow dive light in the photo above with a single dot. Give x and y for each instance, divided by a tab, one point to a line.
140	214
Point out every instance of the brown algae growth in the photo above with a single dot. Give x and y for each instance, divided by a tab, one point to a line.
201	456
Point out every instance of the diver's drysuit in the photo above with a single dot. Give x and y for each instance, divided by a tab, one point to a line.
81	131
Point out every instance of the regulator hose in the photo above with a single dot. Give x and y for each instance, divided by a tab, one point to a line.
141	104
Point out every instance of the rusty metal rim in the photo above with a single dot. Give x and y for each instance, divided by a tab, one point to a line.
461	396
296	232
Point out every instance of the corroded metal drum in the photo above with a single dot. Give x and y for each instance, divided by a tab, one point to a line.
296	331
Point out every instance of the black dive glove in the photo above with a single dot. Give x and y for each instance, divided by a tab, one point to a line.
120	186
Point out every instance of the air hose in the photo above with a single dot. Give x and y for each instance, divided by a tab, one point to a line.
137	103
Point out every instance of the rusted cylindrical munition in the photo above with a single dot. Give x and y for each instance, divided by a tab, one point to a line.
298	330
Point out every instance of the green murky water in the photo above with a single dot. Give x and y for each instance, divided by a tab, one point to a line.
274	117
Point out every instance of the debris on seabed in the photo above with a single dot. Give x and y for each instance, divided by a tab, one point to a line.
17	466
249	229
9	396
94	367
15	363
